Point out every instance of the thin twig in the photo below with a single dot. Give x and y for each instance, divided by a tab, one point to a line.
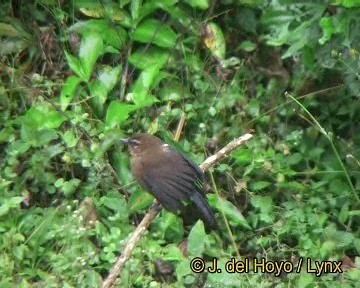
155	209
180	127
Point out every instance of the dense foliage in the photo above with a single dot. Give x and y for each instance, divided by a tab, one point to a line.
76	76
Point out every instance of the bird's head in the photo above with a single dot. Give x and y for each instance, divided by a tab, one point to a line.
141	143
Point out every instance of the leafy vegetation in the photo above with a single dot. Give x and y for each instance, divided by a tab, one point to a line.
76	76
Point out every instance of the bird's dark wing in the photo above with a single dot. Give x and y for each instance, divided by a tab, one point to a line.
181	187
171	191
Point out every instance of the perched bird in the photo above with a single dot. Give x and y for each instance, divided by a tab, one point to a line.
174	180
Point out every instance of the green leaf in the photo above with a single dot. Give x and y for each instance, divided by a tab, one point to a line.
69	187
231	212
112	35
214	40
68	91
117	113
328	29
70	139
305	279
135	9
295	158
248	46
292	186
265	205
10	203
197	239
114	202
75	65
172	253
150	58
41	116
259	185
346	3
153	31
139	200
107	79
91	48
201	4
8	30
141	89
174	91
170	226
38	138
114	12
182	269
243	156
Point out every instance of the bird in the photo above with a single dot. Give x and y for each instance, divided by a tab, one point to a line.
171	177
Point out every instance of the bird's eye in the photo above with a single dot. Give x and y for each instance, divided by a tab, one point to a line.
134	143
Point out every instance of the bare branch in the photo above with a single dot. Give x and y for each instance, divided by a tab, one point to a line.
222	153
155	209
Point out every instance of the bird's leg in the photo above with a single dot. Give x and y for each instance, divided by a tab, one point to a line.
156	206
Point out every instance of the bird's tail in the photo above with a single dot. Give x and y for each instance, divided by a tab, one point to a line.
206	214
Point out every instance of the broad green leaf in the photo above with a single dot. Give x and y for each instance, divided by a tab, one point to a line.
346	3
172	253
174	91
68	91
259	185
41	116
170	227
109	77
100	88
201	4
37	138
182	269
116	202
91	48
117	113
98	9
295	158
7	134
265	205
69	187
197	239
153	31
146	79
214	40
328	29
305	279
141	89
152	57
10	203
248	46
113	202
231	212
135	9
139	200
75	65
111	35
176	12
243	156
70	139
8	30
292	186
